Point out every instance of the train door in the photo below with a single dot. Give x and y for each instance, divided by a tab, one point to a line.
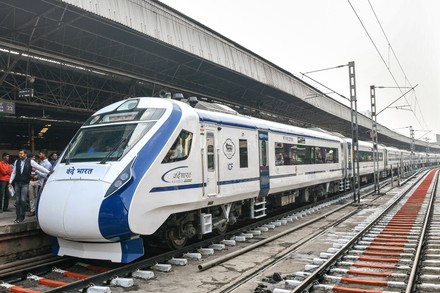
263	149
211	165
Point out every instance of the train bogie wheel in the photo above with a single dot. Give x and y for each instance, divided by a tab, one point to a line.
174	240
220	230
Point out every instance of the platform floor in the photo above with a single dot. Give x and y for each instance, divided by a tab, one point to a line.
21	241
8	218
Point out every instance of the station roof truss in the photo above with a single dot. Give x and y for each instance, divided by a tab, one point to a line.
78	56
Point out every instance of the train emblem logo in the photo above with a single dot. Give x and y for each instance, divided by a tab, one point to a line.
229	148
177	175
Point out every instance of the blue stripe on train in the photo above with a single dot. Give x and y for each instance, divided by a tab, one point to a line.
228	182
177	187
113	215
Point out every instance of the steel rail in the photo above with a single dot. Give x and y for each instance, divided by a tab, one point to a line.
129	268
19	274
288	251
417	257
226	257
145	263
310	280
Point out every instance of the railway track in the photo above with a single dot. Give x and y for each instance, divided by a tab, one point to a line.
425	275
398	251
71	276
68	274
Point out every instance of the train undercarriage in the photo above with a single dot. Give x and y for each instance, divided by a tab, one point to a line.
181	227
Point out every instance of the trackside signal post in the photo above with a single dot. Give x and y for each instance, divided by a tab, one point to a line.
354	132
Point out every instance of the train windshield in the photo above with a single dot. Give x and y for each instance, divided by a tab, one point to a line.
105	143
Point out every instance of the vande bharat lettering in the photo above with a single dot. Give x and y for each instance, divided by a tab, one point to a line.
71	171
84	171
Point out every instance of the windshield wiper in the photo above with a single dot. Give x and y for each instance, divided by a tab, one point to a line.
67	157
113	150
117	146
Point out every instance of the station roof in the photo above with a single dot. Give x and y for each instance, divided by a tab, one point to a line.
79	56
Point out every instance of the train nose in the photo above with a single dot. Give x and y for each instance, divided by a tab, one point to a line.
70	211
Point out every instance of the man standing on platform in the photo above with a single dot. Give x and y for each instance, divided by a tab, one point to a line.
42	177
21	176
5	175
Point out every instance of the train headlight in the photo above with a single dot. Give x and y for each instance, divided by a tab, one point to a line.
121	180
124	176
117	183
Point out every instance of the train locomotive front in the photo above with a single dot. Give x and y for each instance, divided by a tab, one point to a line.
87	202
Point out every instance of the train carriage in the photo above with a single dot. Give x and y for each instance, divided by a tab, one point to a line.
154	166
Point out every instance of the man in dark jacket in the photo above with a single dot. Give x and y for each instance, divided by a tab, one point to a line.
21	175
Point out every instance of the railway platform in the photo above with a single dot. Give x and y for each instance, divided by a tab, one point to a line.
20	241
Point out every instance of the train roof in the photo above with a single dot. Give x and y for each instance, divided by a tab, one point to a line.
224	116
242	121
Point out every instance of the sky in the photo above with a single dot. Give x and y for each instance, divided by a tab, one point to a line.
302	36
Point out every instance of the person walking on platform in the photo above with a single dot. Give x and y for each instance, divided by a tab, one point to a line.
33	187
21	174
53	158
5	175
42	177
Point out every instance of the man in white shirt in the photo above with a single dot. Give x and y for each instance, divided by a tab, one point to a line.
21	175
42	177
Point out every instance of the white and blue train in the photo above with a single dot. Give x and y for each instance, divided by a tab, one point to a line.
154	166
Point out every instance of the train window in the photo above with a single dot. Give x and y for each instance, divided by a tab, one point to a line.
319	155
367	156
263	153
331	155
94	119
152	114
210	151
108	143
292	154
128	105
180	149
243	153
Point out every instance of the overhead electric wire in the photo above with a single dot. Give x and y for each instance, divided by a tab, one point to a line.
397	59
381	57
324	69
398	99
321	84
